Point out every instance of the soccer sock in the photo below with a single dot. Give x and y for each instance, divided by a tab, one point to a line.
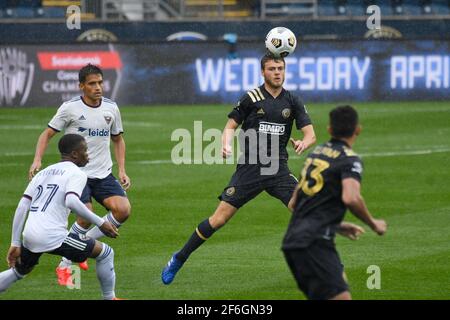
75	229
105	272
201	234
95	232
7	278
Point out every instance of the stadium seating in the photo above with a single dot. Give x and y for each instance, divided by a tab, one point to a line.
151	9
440	6
209	8
328	8
272	8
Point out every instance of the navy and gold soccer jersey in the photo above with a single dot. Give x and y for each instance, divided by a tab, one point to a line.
260	111
269	118
319	208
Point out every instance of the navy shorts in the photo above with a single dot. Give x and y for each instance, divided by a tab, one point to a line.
76	247
100	189
247	182
318	270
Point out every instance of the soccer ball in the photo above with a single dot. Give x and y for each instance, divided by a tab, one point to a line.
281	42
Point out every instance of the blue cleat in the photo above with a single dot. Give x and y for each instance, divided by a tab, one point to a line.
169	272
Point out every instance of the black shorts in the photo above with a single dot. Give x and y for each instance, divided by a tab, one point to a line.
247	182
318	270
100	189
76	248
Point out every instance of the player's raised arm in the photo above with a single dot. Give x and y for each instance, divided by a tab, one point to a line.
228	136
41	146
351	196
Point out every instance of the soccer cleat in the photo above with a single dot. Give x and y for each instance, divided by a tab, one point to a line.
170	270
64	276
84	265
115	298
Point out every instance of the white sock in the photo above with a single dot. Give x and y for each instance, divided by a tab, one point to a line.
75	229
7	278
105	272
95	232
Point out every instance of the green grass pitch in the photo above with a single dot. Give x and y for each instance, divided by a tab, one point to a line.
406	152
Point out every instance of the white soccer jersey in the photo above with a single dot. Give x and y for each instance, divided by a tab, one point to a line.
96	125
46	225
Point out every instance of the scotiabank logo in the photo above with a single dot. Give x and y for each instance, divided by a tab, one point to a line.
77	60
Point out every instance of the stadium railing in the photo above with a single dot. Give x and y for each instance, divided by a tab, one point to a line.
155	10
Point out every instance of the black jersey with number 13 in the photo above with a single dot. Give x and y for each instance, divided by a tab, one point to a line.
319	208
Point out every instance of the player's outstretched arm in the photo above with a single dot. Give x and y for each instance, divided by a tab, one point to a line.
41	146
119	152
309	138
227	137
351	196
73	203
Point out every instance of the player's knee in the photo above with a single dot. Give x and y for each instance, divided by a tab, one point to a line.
122	211
217	221
221	216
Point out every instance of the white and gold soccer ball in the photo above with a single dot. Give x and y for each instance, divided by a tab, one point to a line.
281	42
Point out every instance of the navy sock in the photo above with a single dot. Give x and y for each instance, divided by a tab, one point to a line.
200	235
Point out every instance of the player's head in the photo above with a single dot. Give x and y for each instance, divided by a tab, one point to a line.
73	147
344	122
272	70
91	81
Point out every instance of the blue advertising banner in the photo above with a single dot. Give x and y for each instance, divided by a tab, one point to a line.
202	73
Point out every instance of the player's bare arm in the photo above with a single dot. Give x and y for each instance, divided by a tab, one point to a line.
309	138
293	200
119	152
227	137
350	230
351	196
41	146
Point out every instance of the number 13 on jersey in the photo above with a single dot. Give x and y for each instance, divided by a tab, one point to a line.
313	176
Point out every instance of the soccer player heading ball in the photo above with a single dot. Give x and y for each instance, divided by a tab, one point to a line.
270	111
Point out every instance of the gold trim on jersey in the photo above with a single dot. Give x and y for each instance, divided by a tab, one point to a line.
349	152
258	90
256	95
251	96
